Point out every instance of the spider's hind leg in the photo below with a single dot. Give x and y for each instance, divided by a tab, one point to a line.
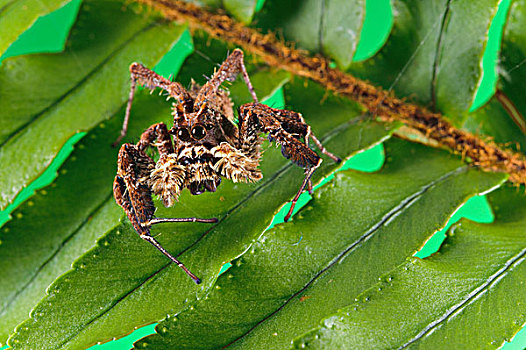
286	128
293	123
300	154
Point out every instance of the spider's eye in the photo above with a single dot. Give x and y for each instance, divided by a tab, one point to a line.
208	126
198	132
183	135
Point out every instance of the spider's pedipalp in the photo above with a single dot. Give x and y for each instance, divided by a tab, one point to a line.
236	165
167	179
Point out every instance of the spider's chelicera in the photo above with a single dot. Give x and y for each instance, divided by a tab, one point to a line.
207	145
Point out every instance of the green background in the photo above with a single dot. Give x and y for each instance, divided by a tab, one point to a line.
49	33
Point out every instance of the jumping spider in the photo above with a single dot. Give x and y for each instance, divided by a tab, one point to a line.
207	145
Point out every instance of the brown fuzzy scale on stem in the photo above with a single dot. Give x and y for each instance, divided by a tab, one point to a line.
379	102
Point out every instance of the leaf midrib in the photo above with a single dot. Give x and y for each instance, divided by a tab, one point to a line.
474	295
436	60
59	99
6	6
393	213
259	189
36	117
322	25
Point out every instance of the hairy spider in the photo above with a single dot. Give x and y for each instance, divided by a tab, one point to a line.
207	145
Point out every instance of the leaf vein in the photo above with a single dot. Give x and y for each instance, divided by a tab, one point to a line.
471	297
276	175
436	62
6	6
404	204
48	260
59	99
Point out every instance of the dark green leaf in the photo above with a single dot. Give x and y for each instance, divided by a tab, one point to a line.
332	26
460	52
406	62
243	10
494	121
434	53
512	65
45	79
133	273
473	286
299	272
281	288
18	15
507	126
97	95
48	34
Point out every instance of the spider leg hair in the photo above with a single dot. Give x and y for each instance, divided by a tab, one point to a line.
285	128
157	245
161	220
133	194
308	175
228	71
140	75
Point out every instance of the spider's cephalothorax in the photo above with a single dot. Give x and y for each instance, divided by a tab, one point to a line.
204	145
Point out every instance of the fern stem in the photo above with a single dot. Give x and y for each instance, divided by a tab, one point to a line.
379	102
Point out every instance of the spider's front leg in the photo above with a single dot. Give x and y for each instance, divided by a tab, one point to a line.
143	76
132	187
285	127
230	68
130	192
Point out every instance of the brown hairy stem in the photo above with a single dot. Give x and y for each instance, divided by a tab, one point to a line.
379	102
